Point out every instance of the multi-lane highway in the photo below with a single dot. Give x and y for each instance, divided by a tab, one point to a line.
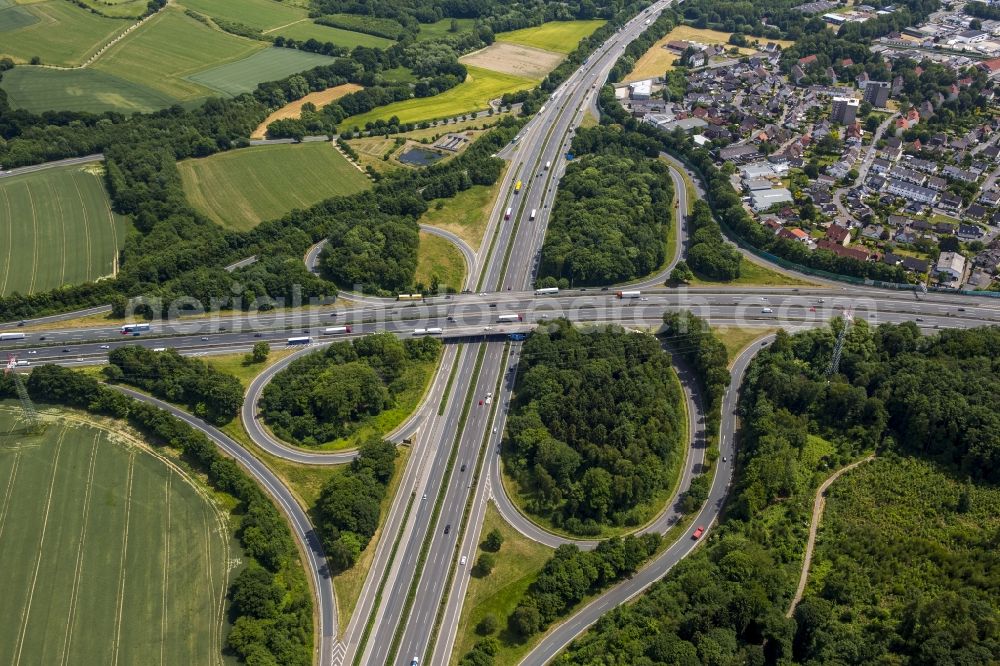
411	602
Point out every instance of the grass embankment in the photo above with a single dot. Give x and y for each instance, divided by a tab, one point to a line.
438	257
467	214
737	339
754	274
518	563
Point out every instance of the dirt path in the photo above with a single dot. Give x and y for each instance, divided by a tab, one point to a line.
818	504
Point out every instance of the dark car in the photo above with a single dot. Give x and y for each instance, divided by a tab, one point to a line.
447	528
463	468
256	335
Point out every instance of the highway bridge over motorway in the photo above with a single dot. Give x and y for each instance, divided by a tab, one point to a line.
411	601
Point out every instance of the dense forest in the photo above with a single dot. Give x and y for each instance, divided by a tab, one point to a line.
327	394
209	393
271	599
350	503
610	217
923	404
596	425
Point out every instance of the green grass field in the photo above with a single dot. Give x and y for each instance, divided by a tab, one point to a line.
558	36
466	214
306	29
132	9
170	47
111	555
437	256
442	28
279	18
241	188
260	14
268	65
56	228
473	94
58	32
39	89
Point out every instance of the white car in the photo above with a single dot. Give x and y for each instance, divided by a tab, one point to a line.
33	351
463	561
105	346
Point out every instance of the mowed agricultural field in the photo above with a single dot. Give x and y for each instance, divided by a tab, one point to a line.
57	31
558	36
239	189
514	59
474	94
56	228
658	60
270	64
111	554
294	109
170	47
39	89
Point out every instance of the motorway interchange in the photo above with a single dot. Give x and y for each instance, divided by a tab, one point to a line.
410	604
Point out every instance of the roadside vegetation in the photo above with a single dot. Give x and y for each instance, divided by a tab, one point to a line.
492	597
897	393
579	462
331	395
568	578
440	265
208	393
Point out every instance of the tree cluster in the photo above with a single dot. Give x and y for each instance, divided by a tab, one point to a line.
211	394
595	429
350	503
272	607
327	394
610	214
708	254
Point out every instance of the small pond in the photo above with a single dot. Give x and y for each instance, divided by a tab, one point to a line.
419	157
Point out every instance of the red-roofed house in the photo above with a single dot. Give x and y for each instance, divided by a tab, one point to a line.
838	234
991	67
858	253
808	60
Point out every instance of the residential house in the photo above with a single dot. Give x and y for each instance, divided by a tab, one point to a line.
951	265
838	234
859	253
911	191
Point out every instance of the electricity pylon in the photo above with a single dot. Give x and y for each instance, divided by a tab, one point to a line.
27	406
839	347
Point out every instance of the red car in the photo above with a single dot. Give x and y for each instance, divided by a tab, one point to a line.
698	532
480	403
